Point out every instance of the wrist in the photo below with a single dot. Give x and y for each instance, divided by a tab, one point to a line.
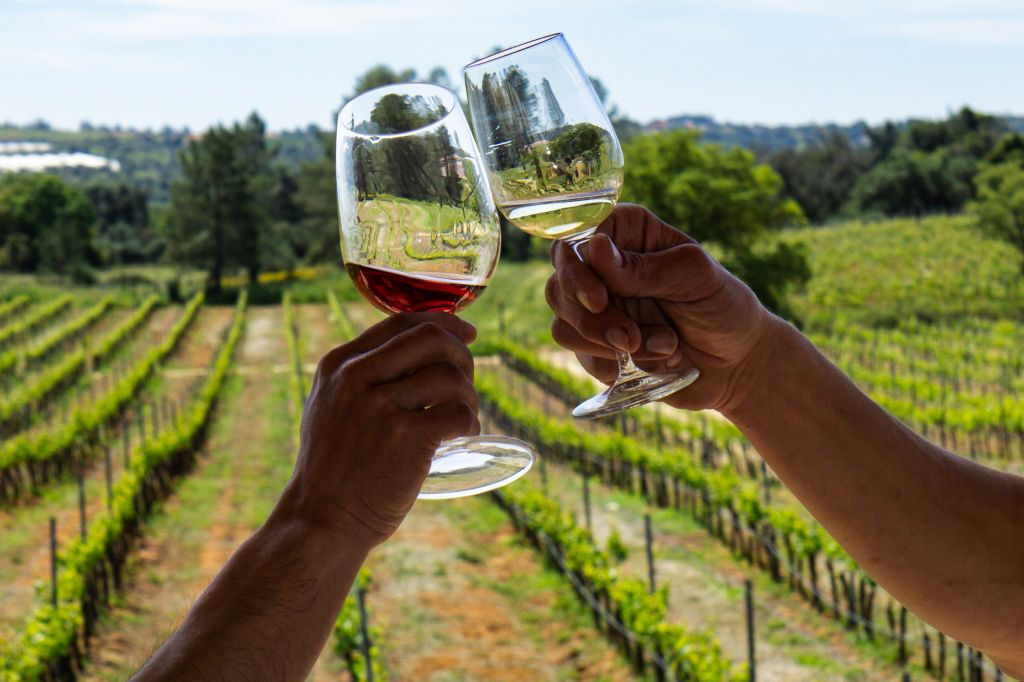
293	511
755	379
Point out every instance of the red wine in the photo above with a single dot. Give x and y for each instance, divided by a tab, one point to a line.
397	292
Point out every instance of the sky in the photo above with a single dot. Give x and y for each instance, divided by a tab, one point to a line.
149	63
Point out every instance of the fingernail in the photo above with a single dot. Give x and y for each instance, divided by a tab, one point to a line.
674	361
663	342
616	255
585	301
618	338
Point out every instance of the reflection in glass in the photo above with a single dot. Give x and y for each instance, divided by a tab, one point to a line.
419	232
555	166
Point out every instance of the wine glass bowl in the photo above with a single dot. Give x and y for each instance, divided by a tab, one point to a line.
553	159
419	232
555	165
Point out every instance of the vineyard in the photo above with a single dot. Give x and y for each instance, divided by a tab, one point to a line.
144	440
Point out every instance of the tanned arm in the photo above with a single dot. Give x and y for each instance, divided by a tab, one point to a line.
378	409
942	534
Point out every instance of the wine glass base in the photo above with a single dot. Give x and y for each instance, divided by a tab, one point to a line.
632	391
475	464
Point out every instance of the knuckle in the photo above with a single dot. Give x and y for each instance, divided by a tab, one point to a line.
432	332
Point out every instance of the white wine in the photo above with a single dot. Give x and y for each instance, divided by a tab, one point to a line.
563	216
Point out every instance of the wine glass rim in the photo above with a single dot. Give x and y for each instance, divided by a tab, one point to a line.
450	102
512	50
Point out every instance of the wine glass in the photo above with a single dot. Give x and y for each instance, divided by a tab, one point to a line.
555	167
419	232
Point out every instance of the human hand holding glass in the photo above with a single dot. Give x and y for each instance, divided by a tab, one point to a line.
419	232
555	166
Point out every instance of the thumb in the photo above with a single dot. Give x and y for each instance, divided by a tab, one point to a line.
680	273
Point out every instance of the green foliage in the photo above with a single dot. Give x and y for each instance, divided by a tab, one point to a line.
924	168
820	177
36	317
617	549
999	208
720	197
13	305
85	421
935	268
914	182
45	224
124	232
27	356
220	213
51	631
691	655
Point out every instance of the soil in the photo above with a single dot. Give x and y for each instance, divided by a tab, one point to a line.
456	601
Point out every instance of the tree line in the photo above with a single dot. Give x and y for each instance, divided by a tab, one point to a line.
245	202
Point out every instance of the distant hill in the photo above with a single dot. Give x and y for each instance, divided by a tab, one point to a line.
145	158
763	139
149	158
760	138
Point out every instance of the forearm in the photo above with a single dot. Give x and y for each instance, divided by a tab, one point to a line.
941	533
268	613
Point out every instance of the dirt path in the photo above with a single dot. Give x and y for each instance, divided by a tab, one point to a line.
233	487
458	597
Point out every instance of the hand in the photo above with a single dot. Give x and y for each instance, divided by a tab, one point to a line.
685	309
378	408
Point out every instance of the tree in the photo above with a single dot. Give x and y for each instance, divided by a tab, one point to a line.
926	167
45	224
220	210
820	178
124	233
999	207
721	197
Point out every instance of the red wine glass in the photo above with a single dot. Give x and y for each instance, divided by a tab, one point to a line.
419	232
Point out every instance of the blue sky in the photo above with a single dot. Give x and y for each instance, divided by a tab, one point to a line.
195	62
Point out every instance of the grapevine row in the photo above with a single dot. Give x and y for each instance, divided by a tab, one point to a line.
32	459
35	318
51	643
16	407
13	305
11	358
777	539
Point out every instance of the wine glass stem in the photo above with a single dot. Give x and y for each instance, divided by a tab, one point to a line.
627	368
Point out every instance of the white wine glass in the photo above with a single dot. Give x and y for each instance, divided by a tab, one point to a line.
419	232
555	166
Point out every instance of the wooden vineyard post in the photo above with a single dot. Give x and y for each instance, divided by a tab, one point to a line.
543	474
748	589
81	504
127	445
767	486
659	435
365	631
586	498
141	419
53	561
649	540
106	471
